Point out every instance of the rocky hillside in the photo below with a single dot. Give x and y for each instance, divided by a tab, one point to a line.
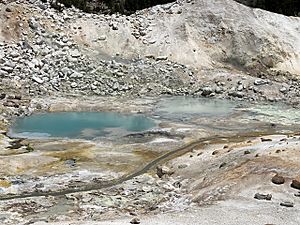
188	47
202	34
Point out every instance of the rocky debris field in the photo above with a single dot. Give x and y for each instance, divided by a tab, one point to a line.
43	53
139	196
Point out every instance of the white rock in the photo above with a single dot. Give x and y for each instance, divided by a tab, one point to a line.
76	75
75	53
74	85
102	38
37	79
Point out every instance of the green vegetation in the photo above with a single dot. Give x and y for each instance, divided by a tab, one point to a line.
81	4
122	6
286	7
129	6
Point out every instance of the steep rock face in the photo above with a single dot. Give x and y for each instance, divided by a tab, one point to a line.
286	7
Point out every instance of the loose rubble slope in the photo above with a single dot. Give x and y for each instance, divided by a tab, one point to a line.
203	34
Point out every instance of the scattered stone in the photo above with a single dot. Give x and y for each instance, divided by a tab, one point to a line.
37	79
70	162
76	75
247	152
163	57
265	139
259	196
215	152
297	194
150	56
296	183
74	85
260	82
135	221
219	90
287	204
237	94
182	166
115	26
151	42
8	9
2	96
206	91
278	179
16	144
283	90
102	38
33	24
132	213
75	53
222	165
163	170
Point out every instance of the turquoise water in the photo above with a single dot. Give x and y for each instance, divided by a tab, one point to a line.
203	106
87	125
186	107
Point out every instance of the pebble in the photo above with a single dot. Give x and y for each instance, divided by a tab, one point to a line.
247	152
38	80
74	85
222	165
135	221
259	196
215	152
75	53
287	204
102	38
260	82
265	139
163	57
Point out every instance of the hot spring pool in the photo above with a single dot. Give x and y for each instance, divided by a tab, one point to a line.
86	125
